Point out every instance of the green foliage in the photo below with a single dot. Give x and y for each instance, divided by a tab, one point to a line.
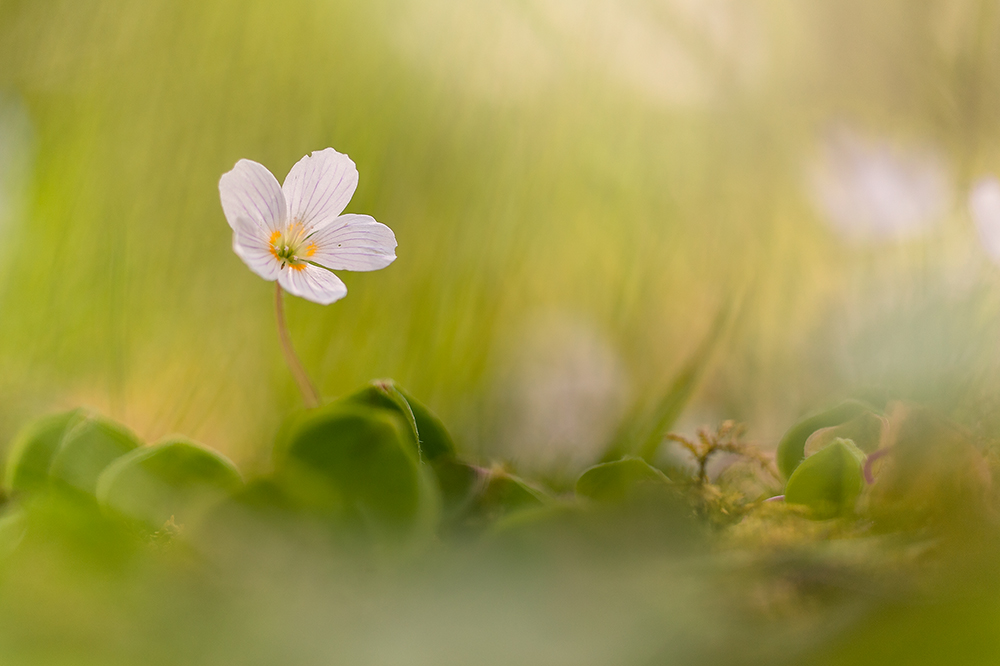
435	441
173	480
432	438
356	492
829	481
31	452
476	497
87	449
73	525
615	481
361	459
867	430
791	448
71	448
505	493
459	482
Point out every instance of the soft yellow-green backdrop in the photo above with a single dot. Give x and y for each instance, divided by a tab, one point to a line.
625	165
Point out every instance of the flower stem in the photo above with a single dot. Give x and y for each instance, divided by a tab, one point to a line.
310	395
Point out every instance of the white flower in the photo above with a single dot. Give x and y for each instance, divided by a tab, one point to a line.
984	204
872	190
563	389
295	233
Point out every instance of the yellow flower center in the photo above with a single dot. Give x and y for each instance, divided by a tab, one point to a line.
291	247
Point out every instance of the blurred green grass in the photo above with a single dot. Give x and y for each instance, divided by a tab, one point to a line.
632	164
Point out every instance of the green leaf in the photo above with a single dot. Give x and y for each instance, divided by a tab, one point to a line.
270	495
866	430
435	441
175	478
505	492
362	458
499	494
284	506
476	497
72	527
459	483
87	448
32	450
383	394
615	481
791	448
429	433
829	481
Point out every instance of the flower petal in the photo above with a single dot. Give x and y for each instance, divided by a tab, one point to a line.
250	192
354	243
251	244
313	284
984	204
319	186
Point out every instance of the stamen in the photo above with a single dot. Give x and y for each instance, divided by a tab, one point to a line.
285	246
273	244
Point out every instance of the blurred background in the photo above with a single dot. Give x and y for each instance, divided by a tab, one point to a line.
578	187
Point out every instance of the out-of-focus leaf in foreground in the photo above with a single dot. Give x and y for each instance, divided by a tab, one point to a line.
829	481
176	479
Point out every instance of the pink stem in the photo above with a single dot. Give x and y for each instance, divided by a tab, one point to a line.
870	463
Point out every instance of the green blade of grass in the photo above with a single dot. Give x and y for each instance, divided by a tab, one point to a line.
642	431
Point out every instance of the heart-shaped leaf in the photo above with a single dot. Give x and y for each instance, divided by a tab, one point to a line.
32	450
363	460
615	481
829	481
506	492
791	448
429	432
460	484
476	497
867	431
87	448
175	478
